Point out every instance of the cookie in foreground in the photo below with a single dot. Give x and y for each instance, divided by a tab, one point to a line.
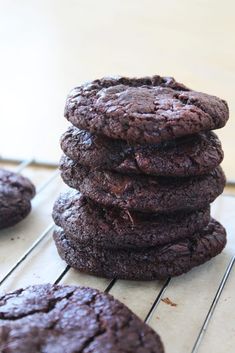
67	319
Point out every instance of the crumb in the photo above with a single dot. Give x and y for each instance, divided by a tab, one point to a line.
107	176
168	301
131	219
12	239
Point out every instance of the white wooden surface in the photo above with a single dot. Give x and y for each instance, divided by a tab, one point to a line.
192	293
49	46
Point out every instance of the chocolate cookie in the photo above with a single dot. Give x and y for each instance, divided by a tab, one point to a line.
172	259
143	193
144	110
91	224
67	319
16	192
189	155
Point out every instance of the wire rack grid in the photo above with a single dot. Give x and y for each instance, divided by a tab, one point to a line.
192	313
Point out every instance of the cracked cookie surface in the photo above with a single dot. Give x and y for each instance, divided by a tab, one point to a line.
172	259
144	110
68	319
143	193
91	224
190	155
16	193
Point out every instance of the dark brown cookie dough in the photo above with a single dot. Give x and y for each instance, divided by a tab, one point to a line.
172	259
16	192
67	319
91	224
144	110
143	193
189	155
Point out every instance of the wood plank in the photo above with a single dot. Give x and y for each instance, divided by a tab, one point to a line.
81	279
42	266
15	241
138	296
219	336
193	292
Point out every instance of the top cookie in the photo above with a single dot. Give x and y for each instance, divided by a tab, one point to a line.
67	319
16	192
145	110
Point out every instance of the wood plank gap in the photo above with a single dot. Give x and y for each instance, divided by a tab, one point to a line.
26	254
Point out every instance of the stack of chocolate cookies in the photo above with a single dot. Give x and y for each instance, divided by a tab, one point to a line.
144	164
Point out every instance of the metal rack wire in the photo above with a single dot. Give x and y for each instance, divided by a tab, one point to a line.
111	285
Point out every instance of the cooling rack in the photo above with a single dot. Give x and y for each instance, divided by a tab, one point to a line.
193	313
